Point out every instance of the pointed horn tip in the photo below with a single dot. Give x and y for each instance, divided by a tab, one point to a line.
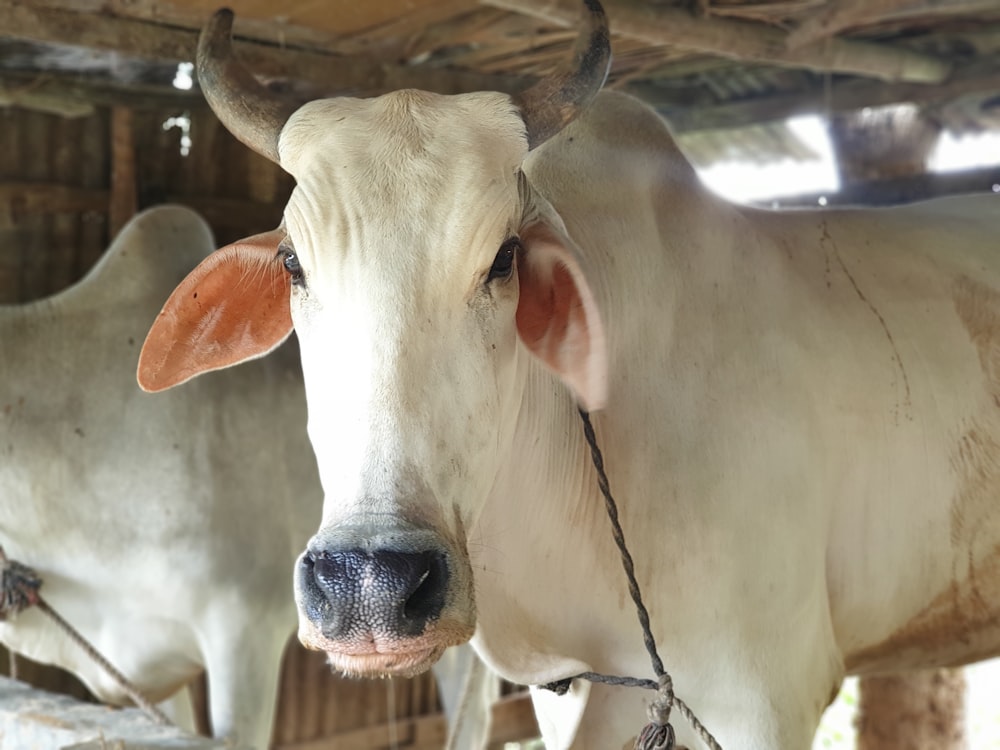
222	17
595	8
554	101
218	29
248	110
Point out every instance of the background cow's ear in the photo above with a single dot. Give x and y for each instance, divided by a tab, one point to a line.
557	317
233	307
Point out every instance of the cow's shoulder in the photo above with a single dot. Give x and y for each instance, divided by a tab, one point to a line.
617	146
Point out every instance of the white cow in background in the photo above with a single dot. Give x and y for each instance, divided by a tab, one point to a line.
165	529
800	413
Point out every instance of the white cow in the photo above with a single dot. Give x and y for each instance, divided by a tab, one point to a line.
165	529
800	413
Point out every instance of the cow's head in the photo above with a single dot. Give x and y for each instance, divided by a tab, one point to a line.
426	281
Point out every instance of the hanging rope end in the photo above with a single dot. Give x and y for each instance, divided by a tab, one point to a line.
655	737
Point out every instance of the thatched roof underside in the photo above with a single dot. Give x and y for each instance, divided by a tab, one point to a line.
705	64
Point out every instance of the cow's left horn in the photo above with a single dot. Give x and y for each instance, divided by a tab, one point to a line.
552	103
245	106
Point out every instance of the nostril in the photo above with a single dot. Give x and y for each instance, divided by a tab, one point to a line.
307	561
426	600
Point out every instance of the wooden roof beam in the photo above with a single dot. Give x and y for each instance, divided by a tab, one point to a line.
840	97
329	73
76	96
742	40
833	18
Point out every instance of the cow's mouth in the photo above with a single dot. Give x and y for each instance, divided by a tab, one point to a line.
370	658
404	664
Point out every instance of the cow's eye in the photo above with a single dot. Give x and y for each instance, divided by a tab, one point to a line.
503	264
290	261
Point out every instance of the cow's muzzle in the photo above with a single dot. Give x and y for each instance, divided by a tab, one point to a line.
378	592
380	608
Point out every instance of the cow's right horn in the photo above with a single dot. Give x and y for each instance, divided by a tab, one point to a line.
248	110
553	102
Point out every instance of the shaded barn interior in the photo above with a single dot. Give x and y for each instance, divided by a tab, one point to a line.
95	124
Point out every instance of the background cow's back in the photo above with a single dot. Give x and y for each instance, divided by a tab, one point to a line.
165	528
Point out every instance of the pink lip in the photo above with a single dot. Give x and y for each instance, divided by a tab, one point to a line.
404	657
400	664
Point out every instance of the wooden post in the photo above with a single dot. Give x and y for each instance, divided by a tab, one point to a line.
874	146
882	143
913	711
123	202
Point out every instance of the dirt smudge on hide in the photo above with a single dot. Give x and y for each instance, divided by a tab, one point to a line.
958	627
829	246
978	307
962	623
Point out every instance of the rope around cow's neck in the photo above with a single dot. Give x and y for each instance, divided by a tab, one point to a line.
657	734
19	589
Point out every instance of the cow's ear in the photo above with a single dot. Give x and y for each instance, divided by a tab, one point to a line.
233	307
557	317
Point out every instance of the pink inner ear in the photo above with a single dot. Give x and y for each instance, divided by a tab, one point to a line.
233	307
557	316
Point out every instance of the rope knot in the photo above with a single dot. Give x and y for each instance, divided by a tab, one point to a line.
19	586
658	734
659	710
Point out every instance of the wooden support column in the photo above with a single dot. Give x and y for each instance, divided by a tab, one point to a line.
123	202
913	711
882	143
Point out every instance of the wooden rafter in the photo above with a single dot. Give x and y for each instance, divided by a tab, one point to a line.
741	40
152	41
843	97
833	18
77	95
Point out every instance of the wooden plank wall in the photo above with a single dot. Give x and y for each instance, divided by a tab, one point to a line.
53	200
56	203
55	189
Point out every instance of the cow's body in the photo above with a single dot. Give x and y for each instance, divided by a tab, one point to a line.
802	430
165	529
801	413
